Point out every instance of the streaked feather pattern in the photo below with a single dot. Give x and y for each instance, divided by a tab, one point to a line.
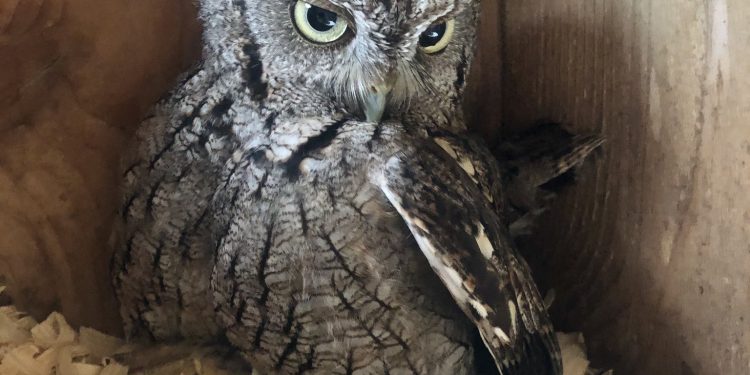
452	222
260	209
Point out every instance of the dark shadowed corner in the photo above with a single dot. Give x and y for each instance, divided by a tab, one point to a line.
648	252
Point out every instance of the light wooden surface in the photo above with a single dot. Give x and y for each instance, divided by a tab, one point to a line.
649	255
75	76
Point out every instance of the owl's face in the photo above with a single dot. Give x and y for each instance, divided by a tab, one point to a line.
372	58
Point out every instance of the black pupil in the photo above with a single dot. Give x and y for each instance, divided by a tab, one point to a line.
432	35
320	19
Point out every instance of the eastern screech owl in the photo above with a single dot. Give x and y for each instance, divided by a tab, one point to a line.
310	193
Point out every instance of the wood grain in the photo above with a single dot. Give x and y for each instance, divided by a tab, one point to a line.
649	255
75	77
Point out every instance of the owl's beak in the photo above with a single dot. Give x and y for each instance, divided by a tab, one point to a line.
374	103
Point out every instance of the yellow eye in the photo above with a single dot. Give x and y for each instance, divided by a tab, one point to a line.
317	24
437	36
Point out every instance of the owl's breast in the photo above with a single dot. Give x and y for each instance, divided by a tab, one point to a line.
315	268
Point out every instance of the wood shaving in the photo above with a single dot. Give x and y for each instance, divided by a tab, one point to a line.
53	347
573	353
575	361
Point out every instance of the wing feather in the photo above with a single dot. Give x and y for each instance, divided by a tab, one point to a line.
469	249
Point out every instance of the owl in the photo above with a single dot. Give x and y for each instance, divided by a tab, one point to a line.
534	165
310	196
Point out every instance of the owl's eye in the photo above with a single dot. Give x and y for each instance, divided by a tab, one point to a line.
437	36
317	24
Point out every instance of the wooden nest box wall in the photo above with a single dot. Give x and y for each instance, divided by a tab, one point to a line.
648	254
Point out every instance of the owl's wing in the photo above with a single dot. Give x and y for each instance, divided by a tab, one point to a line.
537	164
541	154
469	249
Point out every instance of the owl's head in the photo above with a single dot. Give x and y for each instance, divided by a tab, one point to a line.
372	58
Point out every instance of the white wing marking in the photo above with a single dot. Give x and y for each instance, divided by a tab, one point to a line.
485	246
445	145
450	277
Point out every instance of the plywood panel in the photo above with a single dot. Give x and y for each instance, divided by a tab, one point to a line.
649	255
75	76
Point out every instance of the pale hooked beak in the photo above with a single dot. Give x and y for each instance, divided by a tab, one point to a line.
375	101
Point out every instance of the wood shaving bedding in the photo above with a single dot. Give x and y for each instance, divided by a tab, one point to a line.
53	347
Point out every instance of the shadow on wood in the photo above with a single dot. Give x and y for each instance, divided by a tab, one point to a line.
648	254
75	77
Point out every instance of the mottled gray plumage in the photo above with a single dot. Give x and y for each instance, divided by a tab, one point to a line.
261	206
